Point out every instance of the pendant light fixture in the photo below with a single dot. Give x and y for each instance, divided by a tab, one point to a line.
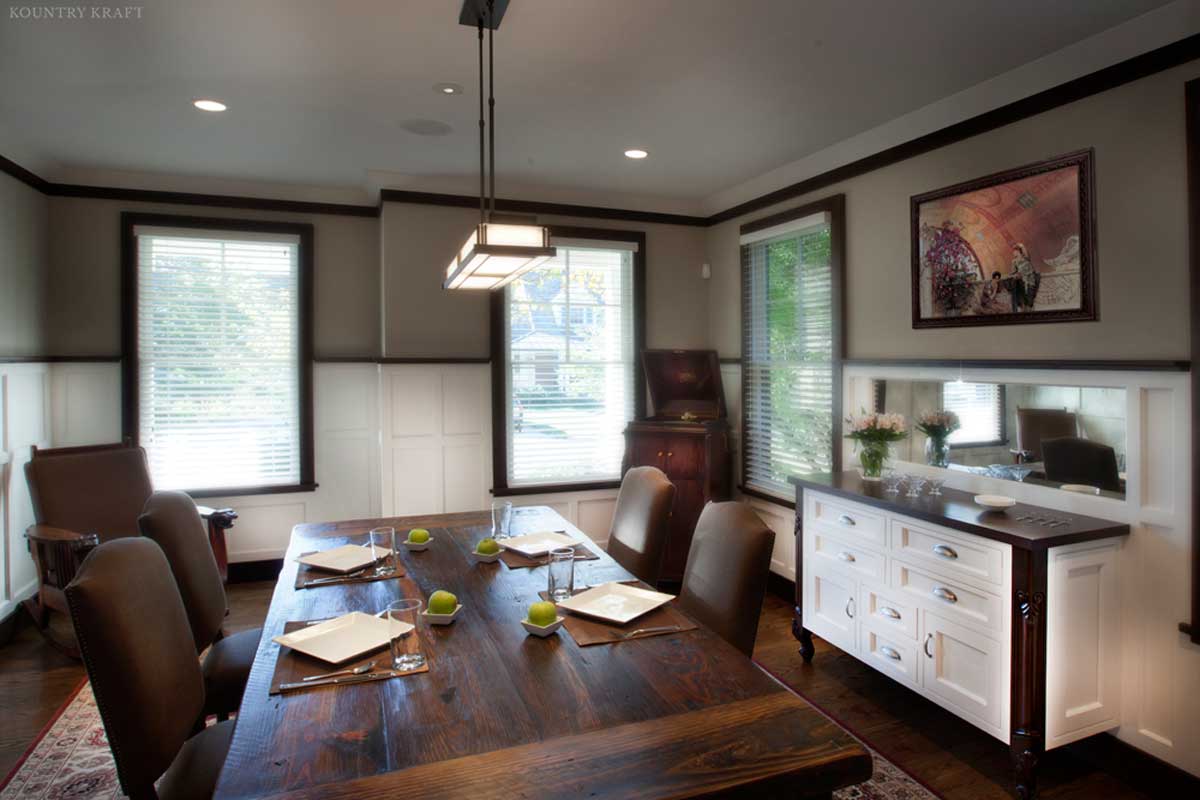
495	254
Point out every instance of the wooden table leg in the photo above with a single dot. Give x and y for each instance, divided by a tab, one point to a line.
1027	719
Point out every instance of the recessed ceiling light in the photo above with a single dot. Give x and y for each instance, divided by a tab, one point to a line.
209	105
636	154
448	88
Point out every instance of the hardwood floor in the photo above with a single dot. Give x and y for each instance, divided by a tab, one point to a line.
957	760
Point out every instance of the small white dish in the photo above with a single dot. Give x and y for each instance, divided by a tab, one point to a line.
417	547
1080	488
538	630
441	619
340	639
996	502
485	558
347	558
615	602
538	544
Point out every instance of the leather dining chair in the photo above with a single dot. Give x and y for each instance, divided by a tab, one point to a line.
1080	461
727	570
173	522
641	522
1036	425
134	639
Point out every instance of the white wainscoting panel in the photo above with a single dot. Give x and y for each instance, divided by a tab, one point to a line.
782	520
24	422
590	511
437	446
85	402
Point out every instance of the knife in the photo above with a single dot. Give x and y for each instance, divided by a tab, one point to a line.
284	688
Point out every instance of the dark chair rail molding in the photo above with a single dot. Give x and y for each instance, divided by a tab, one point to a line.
1122	365
40	359
402	360
1142	66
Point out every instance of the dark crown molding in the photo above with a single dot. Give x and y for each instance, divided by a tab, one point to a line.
1142	66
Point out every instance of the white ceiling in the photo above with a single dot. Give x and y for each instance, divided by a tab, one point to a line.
719	91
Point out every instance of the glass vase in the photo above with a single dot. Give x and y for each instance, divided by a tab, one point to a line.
937	452
873	457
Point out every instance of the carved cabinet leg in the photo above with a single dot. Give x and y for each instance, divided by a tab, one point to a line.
798	630
807	650
1027	741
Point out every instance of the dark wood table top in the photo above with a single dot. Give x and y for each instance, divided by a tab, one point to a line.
501	714
957	509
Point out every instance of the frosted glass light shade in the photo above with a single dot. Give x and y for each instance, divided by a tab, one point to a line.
497	254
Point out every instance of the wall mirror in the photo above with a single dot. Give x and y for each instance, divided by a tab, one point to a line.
1068	437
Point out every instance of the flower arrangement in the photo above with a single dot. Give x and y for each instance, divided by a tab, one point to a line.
938	425
872	433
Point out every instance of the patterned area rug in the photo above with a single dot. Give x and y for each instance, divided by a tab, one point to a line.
71	761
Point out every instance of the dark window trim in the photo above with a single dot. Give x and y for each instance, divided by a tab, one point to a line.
1002	401
500	487
1192	121
835	206
766	497
129	355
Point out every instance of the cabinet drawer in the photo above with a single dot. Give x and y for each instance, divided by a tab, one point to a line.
951	599
843	516
838	553
885	613
829	607
891	655
956	557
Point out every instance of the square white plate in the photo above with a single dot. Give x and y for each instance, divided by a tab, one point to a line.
538	544
341	639
346	558
615	602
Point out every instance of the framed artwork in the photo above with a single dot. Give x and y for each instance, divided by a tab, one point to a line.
1014	247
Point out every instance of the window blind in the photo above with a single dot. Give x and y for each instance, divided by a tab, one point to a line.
569	356
980	409
218	355
787	365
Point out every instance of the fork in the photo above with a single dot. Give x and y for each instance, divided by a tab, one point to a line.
334	578
351	671
648	631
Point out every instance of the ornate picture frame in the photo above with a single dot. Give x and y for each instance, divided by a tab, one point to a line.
1010	248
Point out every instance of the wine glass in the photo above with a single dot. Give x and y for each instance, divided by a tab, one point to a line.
915	484
935	485
891	480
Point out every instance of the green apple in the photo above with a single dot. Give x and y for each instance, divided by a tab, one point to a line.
442	602
543	614
418	536
486	547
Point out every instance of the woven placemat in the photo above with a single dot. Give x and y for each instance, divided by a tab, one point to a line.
514	560
587	631
305	576
292	666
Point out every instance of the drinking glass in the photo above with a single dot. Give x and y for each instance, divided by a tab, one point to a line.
935	485
407	610
562	573
383	550
891	481
501	519
915	484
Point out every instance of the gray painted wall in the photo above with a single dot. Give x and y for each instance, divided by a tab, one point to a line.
1141	192
23	246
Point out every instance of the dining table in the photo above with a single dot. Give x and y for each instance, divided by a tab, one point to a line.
504	714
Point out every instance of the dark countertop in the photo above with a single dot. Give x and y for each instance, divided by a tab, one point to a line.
957	509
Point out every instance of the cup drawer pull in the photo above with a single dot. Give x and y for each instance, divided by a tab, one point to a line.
945	552
847	557
889	652
942	593
847	520
889	612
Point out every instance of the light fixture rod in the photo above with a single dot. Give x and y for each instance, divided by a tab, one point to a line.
491	107
482	201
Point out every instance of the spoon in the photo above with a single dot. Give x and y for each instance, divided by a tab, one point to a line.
364	669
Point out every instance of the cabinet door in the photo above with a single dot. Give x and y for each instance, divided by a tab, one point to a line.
963	670
685	457
829	609
689	502
648	451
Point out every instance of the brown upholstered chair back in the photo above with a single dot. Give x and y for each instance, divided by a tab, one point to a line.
1034	425
641	521
135	642
97	490
172	521
1074	460
727	570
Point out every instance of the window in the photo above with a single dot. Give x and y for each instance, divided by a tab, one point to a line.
980	409
567	386
217	348
791	342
